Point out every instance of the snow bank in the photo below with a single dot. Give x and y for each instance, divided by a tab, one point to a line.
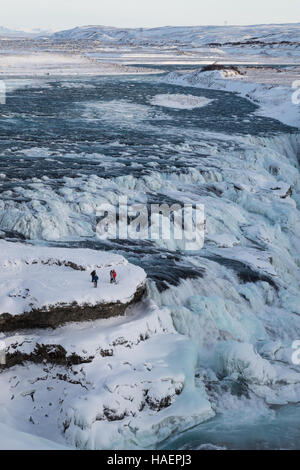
134	384
274	101
164	387
11	439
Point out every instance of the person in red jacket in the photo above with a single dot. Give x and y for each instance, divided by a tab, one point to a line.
113	276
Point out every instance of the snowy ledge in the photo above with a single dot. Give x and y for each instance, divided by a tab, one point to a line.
46	287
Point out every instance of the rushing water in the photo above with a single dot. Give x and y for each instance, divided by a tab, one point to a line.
106	127
68	144
279	429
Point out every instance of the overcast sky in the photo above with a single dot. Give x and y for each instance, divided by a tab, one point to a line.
62	14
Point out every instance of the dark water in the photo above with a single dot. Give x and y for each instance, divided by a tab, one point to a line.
279	430
60	119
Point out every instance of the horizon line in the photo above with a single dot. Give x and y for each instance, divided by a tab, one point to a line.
227	25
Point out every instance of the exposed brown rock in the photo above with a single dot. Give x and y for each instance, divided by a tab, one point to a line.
216	66
59	314
52	353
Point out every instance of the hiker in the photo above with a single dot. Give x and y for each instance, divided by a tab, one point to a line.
113	276
93	274
95	280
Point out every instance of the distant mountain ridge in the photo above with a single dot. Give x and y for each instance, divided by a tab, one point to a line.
197	35
193	35
6	32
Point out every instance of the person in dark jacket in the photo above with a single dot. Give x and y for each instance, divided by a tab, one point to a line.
93	274
95	280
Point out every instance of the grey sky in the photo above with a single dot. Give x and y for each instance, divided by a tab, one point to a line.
62	14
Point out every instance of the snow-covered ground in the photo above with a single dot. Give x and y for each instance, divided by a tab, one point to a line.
187	55
11	439
134	384
46	64
42	278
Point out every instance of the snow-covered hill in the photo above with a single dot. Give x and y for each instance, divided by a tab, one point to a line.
274	43
195	35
